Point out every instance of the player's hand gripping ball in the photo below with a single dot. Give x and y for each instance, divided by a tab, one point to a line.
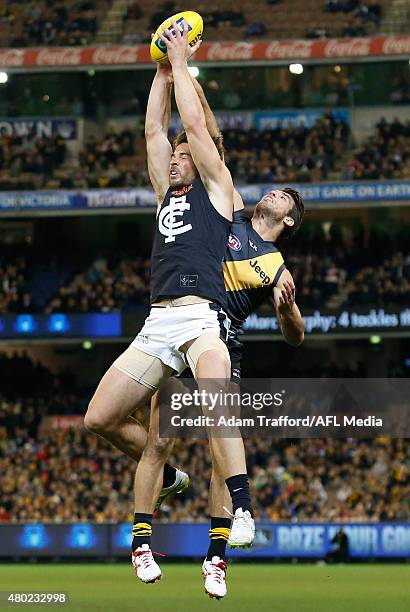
195	29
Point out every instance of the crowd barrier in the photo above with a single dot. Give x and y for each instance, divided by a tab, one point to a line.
273	540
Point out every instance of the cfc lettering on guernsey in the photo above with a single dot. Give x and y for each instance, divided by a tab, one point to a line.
169	223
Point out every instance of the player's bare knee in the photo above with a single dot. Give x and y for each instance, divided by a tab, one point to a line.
159	449
96	422
213	364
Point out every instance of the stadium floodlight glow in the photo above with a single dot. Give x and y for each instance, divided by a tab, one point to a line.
193	71
296	68
375	339
4	77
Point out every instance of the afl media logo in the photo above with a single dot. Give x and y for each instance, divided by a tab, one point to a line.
234	243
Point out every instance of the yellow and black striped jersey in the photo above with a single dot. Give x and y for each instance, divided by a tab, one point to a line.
252	267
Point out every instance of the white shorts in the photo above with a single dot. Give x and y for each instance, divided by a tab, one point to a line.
167	329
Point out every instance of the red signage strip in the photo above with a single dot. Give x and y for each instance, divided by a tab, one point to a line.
277	50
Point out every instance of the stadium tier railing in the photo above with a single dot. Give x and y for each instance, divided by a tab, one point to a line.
346	194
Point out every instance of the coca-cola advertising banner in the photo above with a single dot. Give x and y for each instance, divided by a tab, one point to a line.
276	50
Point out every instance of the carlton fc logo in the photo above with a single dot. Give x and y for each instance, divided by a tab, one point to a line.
234	243
170	219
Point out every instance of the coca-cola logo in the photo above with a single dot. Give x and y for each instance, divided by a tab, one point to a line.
233	52
393	45
289	49
11	57
59	57
351	47
115	55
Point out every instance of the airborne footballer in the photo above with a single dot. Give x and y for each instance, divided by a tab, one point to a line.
187	324
254	271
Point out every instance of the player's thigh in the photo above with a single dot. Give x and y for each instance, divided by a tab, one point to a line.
128	384
208	357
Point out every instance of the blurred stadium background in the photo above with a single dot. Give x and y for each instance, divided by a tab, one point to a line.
314	93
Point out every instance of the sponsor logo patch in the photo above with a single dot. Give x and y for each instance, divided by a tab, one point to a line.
180	23
265	278
188	280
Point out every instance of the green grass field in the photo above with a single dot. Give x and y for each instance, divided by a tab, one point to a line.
267	587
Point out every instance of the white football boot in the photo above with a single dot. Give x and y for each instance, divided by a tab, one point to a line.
180	484
243	529
144	564
214	573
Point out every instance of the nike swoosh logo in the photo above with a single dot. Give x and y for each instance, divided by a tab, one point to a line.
235	490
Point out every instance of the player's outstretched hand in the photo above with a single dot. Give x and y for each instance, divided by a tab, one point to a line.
178	49
287	297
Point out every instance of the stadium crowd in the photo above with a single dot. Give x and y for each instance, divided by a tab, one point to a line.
52	22
286	153
71	475
57	471
77	22
117	159
105	286
29	162
384	285
276	154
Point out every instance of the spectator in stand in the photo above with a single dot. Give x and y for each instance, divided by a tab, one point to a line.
165	10
344	6
361	13
256	28
216	17
354	27
134	12
400	93
14	290
385	156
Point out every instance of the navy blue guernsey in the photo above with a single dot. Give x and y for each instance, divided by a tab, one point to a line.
189	246
252	267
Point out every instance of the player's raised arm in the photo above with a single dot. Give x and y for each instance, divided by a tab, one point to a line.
212	170
159	149
210	119
216	135
289	317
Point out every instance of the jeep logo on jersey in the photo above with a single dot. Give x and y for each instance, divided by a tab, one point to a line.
169	223
234	243
265	278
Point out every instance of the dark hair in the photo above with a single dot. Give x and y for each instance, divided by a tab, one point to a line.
296	213
218	141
